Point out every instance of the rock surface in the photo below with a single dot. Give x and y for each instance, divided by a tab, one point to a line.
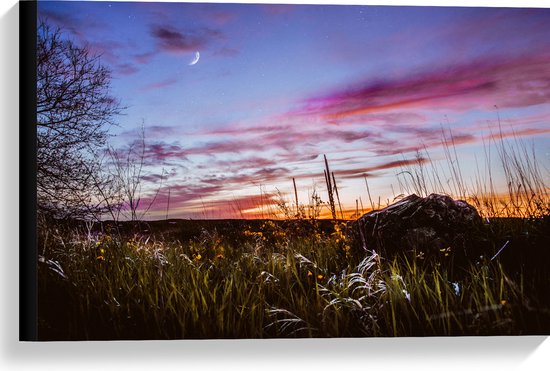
432	225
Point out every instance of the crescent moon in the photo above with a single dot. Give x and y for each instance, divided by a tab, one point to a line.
196	59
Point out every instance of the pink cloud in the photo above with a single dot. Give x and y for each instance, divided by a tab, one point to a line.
371	171
301	142
227	146
144	58
159	85
254	162
79	27
283	136
180	194
76	24
205	201
162	177
242	207
126	69
247	207
160	152
524	132
517	82
248	177
105	49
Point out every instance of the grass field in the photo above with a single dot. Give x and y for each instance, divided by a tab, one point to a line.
282	279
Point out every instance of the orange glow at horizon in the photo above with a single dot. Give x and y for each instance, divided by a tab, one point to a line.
498	205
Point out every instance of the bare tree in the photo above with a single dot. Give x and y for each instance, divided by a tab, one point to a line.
74	112
127	170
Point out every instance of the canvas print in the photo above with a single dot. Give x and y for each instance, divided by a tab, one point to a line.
225	170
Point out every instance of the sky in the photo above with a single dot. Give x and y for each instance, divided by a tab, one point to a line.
236	100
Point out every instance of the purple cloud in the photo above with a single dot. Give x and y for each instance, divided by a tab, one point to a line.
126	69
173	41
159	85
161	152
144	58
371	171
507	82
80	28
76	24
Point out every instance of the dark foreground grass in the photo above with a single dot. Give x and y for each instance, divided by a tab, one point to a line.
270	279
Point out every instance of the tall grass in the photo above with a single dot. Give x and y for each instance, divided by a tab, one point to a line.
274	282
511	162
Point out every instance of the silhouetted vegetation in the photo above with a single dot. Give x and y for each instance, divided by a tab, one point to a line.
74	113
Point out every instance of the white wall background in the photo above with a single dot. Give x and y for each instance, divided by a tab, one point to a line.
496	353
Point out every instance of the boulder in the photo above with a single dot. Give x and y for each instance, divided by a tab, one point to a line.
429	226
